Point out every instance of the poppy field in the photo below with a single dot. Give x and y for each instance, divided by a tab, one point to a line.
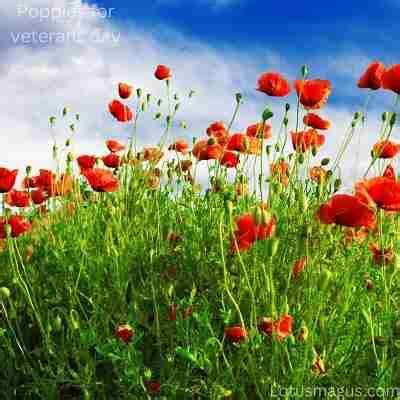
232	266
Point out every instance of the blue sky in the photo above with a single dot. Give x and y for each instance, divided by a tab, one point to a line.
304	26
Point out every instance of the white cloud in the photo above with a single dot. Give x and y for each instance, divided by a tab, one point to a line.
38	80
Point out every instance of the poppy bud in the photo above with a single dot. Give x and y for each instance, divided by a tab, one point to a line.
4	293
396	328
337	184
52	120
287	107
28	170
139	93
238	97
229	207
385	116
168	119
57	323
148	98
65	111
329	173
72	127
325	161
268	149
177	105
314	151
304	71
74	320
7	230
70	157
285	121
267	114
325	279
274	247
67	142
157	115
369	284
124	333
303	334
143	106
393	119
77	117
300	158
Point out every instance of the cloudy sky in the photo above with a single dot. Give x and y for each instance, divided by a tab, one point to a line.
56	53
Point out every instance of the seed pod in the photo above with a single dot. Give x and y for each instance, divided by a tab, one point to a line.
325	161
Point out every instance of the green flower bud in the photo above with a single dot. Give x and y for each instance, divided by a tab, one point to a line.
4	293
267	114
304	71
238	97
325	161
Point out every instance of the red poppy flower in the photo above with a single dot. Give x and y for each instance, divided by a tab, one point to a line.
382	256
229	159
255	130
372	77
267	229
172	311
19	225
249	230
305	140
313	94
120	112
45	179
280	170
315	121
218	131
18	198
153	386
298	267
281	327
236	333
318	174
384	192
215	127
39	196
273	84
244	144
390	173
180	146
266	325
385	149
101	180
114	146
347	210
124	333
124	90
162	72
391	79
112	160
207	149
245	234
86	162
7	179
